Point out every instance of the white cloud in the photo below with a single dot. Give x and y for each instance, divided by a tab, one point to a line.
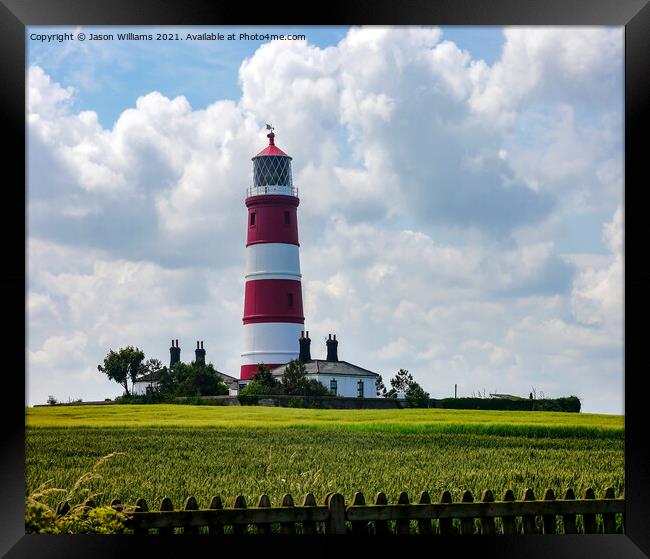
597	296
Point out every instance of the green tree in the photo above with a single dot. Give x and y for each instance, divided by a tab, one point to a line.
294	378
198	379
295	383
416	397
380	387
123	365
402	380
313	387
264	377
262	382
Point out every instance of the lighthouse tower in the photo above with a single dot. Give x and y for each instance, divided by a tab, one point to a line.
273	315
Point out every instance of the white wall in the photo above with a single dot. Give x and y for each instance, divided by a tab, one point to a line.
347	385
140	388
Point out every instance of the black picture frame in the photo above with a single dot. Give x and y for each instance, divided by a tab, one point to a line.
15	15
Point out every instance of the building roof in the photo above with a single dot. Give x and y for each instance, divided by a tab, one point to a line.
150	377
271	149
323	367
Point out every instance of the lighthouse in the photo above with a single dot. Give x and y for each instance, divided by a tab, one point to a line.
273	315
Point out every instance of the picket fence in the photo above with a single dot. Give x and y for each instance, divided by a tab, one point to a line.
487	516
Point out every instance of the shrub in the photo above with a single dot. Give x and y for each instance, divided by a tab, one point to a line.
248	399
566	404
40	519
43	519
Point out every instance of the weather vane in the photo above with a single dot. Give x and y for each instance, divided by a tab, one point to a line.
269	127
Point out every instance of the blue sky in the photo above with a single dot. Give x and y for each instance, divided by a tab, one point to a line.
461	200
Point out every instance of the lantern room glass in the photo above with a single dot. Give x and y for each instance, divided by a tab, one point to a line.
272	170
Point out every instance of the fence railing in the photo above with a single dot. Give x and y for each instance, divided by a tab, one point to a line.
549	515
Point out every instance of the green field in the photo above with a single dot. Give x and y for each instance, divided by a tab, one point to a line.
178	451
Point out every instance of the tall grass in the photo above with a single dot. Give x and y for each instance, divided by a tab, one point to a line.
179	462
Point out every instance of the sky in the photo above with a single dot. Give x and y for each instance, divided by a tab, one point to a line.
461	201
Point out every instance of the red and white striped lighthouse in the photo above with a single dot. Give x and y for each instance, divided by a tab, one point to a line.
273	315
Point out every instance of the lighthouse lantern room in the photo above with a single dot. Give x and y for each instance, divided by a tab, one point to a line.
273	314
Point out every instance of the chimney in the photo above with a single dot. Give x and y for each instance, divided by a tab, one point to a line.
200	353
305	342
175	354
332	351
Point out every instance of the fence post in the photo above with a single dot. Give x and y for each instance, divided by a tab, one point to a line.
360	526
216	527
467	524
424	525
508	522
548	520
166	504
287	527
191	504
402	526
141	506
446	524
309	527
569	519
239	529
589	519
263	503
528	520
336	506
609	519
381	526
487	522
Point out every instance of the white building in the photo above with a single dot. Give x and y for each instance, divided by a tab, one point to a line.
339	377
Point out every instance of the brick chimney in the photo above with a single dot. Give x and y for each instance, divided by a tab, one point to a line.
200	353
305	343
332	351
174	354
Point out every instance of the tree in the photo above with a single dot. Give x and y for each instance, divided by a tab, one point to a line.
414	394
198	379
399	383
262	383
416	397
295	383
122	365
294	377
264	377
380	387
51	400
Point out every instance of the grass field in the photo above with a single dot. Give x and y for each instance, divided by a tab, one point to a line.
177	451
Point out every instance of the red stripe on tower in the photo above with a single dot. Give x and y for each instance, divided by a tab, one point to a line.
273	313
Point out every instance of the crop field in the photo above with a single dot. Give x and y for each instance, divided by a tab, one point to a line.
178	451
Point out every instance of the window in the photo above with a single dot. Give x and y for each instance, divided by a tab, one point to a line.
333	386
287	218
272	170
290	300
360	389
149	390
252	219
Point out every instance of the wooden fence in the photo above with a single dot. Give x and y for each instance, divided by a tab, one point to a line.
567	515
